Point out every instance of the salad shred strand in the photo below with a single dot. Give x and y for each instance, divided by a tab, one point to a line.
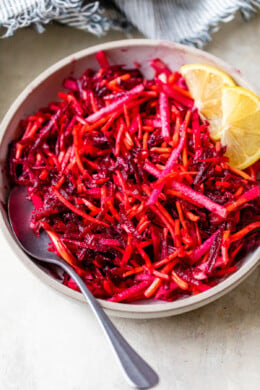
130	188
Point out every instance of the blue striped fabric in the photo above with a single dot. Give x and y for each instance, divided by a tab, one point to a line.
186	21
87	16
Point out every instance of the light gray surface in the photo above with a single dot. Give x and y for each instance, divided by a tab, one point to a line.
216	347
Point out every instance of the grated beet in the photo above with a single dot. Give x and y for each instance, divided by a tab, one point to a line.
130	188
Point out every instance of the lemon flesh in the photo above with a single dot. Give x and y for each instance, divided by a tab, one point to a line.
241	126
205	84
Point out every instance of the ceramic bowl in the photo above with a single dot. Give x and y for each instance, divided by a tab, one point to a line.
44	89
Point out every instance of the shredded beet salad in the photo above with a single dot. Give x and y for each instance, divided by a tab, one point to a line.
130	188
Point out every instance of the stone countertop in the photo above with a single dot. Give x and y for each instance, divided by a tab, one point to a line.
48	342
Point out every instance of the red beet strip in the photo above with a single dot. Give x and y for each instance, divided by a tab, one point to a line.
130	188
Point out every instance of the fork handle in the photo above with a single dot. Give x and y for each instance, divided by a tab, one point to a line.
138	373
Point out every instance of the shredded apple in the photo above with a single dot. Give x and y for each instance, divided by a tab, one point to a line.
130	188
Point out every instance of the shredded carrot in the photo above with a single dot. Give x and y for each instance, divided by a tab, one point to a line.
131	189
240	173
241	233
179	281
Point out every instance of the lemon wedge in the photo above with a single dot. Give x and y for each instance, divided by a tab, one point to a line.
205	84
241	126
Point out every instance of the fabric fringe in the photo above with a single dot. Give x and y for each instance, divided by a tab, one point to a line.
247	10
186	21
88	16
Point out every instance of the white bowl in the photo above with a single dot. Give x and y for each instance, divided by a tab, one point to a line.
44	89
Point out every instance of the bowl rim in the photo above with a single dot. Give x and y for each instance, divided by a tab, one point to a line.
116	308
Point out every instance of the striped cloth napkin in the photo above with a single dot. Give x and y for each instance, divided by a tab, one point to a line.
185	21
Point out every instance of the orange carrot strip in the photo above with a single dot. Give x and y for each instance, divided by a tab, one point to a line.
123	186
133	271
224	247
88	127
144	256
244	231
252	173
151	290
43	175
180	212
223	184
76	210
249	195
76	129
238	192
139	121
173	77
91	206
112	209
185	156
198	234
114	84
118	138
192	217
126	115
61	248
239	172
182	91
161	275
167	259
165	220
176	134
128	250
161	150
179	281
177	233
145	140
